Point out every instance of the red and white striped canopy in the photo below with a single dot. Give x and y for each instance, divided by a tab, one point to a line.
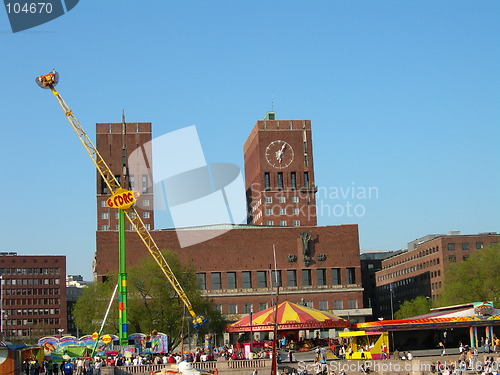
289	316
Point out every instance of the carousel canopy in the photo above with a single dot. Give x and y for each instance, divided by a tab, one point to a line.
289	316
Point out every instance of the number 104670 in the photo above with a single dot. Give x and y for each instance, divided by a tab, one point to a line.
13	7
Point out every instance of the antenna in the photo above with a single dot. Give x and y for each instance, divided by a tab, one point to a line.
272	103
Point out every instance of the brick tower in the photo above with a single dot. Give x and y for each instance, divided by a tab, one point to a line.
279	173
115	142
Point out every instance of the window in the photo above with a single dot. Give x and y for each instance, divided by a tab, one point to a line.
479	245
282	200
218	308
247	308
232	309
261	279
452	258
269	199
145	202
276	275
291	276
267	181
295	199
353	303
321	276
216	280
144	183
104	227
103	203
269	211
296	223
117	215
465	257
306	277
280	180
262	306
306	180
270	223
131	182
146	214
282	211
147	226
370	266
338	304
323	305
231	280
336	280
246	279
105	215
351	275
465	246
293	178
283	223
451	246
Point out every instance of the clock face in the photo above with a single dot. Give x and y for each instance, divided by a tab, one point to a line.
279	154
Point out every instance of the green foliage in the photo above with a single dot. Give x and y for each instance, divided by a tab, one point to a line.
90	308
415	307
152	303
473	280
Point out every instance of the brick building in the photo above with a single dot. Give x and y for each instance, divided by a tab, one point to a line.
279	173
419	271
317	266
33	295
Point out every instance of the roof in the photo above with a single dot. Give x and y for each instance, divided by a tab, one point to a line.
290	316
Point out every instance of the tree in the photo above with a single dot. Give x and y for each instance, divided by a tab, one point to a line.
91	306
473	280
417	306
152	302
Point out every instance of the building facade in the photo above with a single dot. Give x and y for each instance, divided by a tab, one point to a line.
279	173
316	266
419	271
33	302
74	289
116	142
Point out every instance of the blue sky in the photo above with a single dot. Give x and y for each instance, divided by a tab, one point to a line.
403	97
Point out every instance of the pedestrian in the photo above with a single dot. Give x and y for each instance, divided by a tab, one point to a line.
68	368
49	368
443	349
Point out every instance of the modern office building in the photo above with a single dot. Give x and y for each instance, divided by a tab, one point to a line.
371	262
74	289
316	266
419	271
33	295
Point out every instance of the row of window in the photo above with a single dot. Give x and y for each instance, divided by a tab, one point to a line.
105	215
143	203
30	322
131	179
279	183
407	270
131	227
294	199
248	308
16	312
30	301
29	271
30	281
29	292
282	211
422	253
283	223
465	246
453	258
436	285
244	280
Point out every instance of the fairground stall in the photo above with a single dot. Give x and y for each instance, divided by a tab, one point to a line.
468	324
293	321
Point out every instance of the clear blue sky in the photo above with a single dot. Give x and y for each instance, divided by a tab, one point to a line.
403	97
